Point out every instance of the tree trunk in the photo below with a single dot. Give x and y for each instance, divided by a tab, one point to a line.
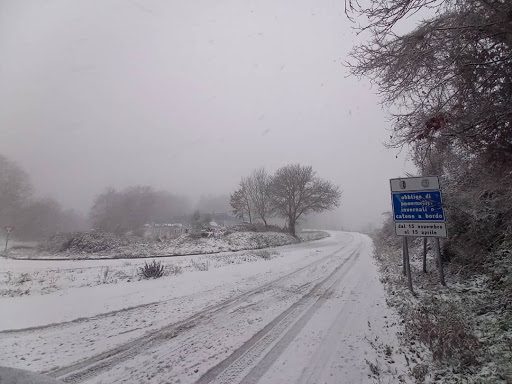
291	227
249	213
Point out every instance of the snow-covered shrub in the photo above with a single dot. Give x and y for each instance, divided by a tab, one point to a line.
202	265
16	292
84	242
153	270
174	269
419	372
265	254
312	235
195	235
438	325
254	227
374	368
24	278
105	276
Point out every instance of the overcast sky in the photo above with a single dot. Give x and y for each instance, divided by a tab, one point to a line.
188	96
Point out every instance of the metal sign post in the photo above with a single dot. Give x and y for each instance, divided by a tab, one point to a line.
425	239
407	263
8	229
418	212
440	262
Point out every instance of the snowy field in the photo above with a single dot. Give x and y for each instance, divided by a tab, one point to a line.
90	245
311	312
21	276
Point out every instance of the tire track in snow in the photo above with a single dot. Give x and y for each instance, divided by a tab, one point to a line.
246	364
127	309
83	319
94	365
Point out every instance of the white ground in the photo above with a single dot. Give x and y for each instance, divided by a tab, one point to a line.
313	313
135	247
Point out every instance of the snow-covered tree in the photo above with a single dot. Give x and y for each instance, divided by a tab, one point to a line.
297	191
15	191
241	202
258	188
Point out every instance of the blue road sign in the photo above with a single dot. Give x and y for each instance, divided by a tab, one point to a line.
418	206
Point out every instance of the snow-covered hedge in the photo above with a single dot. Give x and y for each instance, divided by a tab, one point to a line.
106	245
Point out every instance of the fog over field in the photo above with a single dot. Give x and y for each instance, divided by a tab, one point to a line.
189	97
198	191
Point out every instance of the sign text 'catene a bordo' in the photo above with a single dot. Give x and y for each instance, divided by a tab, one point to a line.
418	207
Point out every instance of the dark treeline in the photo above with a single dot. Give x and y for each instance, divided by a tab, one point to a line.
129	209
32	218
117	211
291	193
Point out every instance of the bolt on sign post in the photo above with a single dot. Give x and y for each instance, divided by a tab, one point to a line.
418	212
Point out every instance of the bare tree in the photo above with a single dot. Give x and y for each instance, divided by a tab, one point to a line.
241	202
296	191
448	85
236	201
105	211
447	80
258	188
33	219
44	217
15	191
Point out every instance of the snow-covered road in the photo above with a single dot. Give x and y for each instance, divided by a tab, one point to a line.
317	314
